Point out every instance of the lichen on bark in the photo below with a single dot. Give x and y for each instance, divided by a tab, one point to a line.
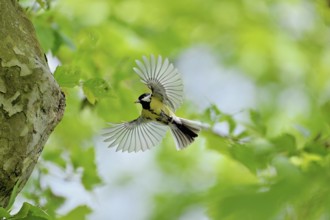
31	102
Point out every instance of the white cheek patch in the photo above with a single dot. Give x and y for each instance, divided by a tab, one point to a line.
147	98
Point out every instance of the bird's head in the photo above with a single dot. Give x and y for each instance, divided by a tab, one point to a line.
144	100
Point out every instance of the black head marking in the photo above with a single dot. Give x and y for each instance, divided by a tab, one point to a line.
145	100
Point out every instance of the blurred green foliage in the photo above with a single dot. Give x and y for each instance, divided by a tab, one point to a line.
277	167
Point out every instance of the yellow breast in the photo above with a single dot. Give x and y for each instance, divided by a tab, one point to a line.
156	107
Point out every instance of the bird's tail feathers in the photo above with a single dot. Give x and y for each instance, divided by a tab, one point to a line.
184	131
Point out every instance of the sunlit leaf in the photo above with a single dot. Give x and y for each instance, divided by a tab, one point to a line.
4	213
246	155
54	155
45	34
212	114
96	88
217	142
318	145
258	123
285	143
79	212
60	40
286	169
231	122
85	158
30	212
12	197
54	202
325	111
67	76
41	3
89	95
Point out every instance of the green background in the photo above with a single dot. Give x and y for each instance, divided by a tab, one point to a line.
268	158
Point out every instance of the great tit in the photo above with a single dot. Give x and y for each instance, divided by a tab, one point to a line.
157	113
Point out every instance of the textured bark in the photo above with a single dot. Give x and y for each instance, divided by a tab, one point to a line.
31	102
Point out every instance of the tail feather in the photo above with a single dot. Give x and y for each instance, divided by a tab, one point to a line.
184	131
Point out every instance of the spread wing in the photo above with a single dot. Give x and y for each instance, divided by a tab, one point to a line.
163	79
136	135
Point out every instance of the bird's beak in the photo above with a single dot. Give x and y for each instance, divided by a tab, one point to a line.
137	101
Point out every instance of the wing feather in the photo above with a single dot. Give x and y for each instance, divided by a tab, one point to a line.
136	135
162	78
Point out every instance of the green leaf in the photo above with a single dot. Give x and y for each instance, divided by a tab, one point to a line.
13	196
325	109
45	36
53	155
285	143
79	212
61	39
214	108
258	123
242	135
212	114
286	169
67	76
245	154
231	122
85	158
319	145
96	88
54	201
89	95
31	212
4	213
217	142
41	3
254	155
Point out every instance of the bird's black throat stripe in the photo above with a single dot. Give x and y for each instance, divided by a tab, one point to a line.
145	105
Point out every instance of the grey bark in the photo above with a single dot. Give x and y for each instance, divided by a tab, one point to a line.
31	102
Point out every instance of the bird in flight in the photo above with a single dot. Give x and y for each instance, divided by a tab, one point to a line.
157	113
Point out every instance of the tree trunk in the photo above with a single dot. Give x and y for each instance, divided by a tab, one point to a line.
31	102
